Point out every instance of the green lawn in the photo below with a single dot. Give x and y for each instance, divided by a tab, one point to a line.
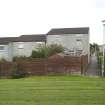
53	90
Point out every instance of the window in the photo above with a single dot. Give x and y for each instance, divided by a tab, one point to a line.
39	44
79	44
79	35
57	36
20	45
79	40
2	48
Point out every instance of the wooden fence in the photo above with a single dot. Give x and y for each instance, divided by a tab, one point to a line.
65	65
6	69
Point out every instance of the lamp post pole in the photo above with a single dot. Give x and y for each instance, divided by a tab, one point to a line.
103	58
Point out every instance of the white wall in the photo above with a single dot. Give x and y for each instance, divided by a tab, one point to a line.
12	49
4	52
26	50
70	41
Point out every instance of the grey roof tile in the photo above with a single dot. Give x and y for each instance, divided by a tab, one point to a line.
24	38
60	31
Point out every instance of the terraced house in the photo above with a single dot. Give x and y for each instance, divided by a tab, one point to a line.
19	46
74	40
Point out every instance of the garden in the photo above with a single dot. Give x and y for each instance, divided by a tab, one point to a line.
52	90
45	60
13	69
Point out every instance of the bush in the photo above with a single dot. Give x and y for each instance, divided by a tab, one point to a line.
17	73
46	51
19	57
3	60
36	54
54	48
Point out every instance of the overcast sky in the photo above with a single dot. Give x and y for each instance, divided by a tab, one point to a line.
39	16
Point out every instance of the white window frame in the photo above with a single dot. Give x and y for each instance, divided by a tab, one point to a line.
79	35
39	44
79	43
2	46
20	45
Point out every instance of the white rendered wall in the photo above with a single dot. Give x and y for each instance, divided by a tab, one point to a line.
26	50
70	41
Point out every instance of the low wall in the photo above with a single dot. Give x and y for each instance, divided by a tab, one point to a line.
65	65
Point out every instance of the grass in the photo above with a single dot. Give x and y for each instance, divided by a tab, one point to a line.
53	90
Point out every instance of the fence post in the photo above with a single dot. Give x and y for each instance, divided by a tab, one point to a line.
45	65
0	69
81	64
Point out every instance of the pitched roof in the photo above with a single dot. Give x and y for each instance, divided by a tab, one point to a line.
24	38
60	31
5	40
32	38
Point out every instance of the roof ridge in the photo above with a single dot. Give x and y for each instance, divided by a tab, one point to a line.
70	28
79	30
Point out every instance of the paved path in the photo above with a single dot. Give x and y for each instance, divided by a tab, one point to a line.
93	69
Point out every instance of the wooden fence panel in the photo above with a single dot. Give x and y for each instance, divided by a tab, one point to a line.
64	65
5	69
34	67
72	64
55	66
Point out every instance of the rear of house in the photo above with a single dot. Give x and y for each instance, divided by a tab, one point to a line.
76	40
20	46
5	47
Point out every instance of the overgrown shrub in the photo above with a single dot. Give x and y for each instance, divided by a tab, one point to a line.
54	48
46	51
3	60
19	57
36	54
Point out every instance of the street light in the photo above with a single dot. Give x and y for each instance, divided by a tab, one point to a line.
103	63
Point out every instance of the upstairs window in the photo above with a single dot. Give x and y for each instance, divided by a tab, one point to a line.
39	44
20	45
78	40
2	48
79	44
